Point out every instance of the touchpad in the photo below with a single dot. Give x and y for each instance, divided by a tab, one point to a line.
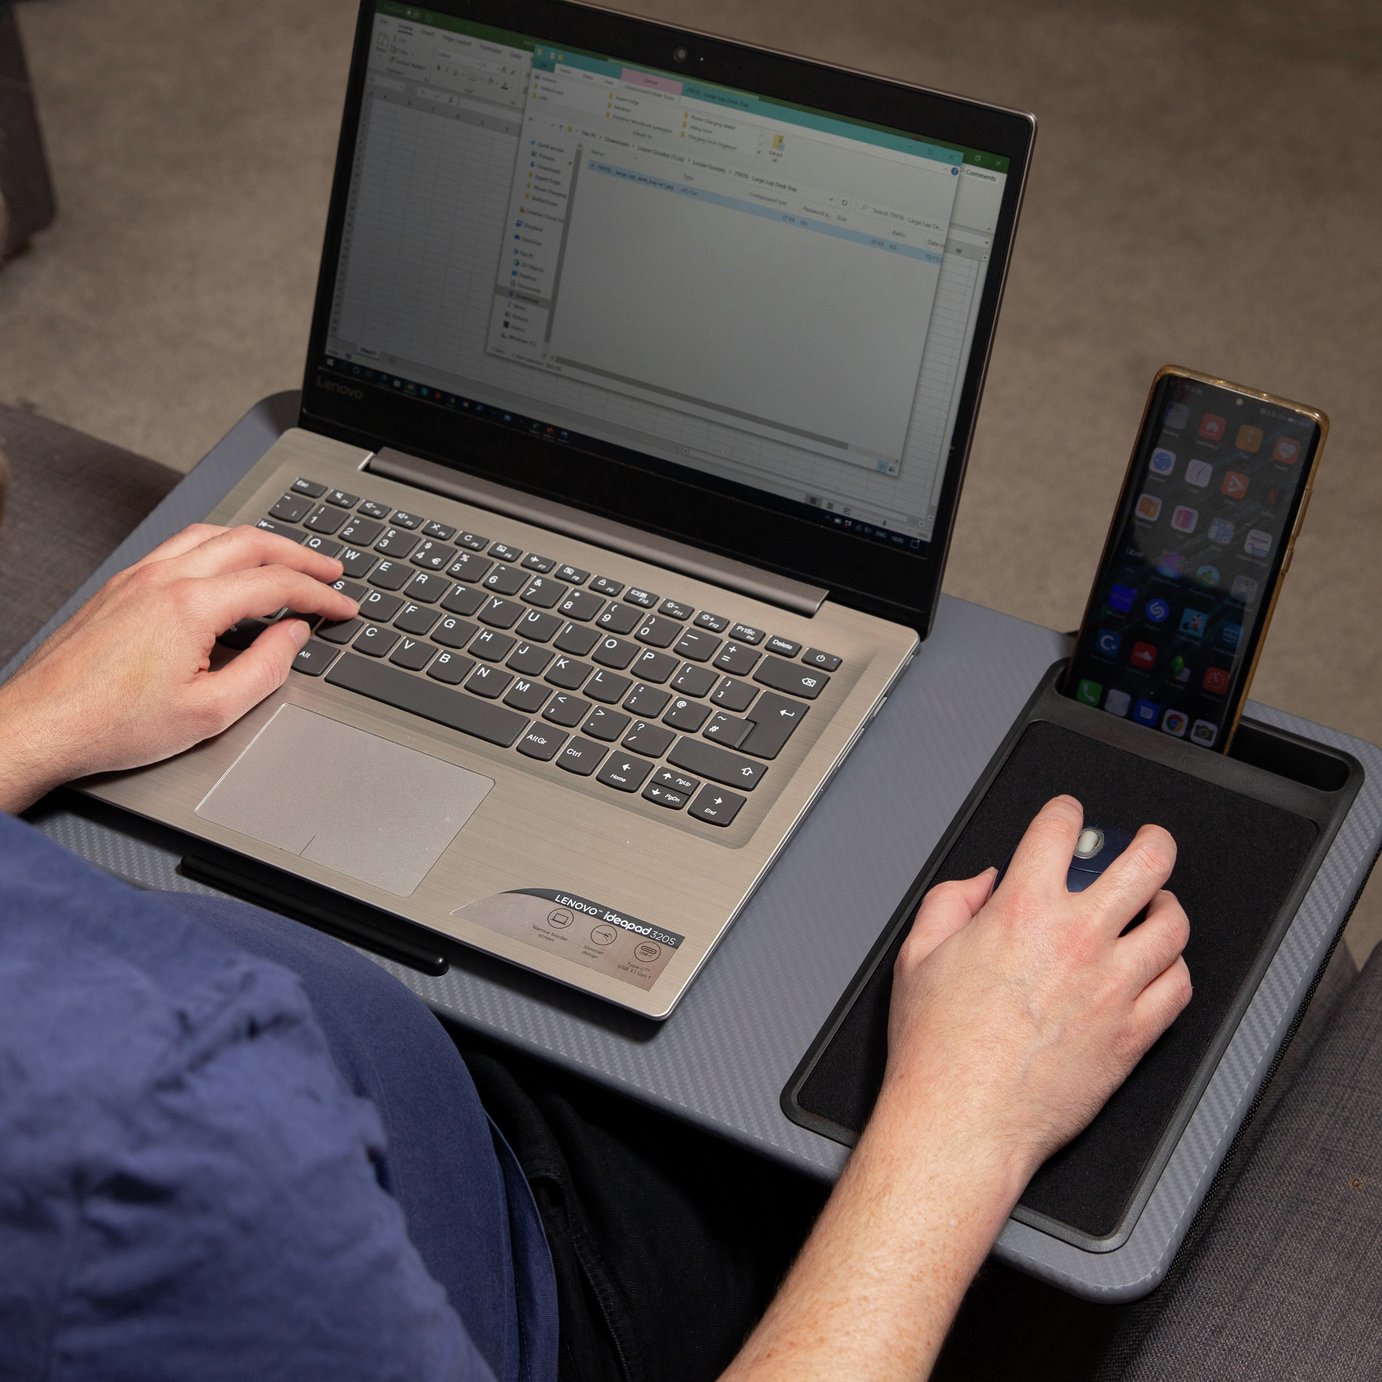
339	796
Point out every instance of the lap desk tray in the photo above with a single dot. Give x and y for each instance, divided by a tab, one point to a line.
1252	830
723	1058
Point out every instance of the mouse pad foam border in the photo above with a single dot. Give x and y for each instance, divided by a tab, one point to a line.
1249	845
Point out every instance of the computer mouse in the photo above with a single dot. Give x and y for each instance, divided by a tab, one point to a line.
1096	848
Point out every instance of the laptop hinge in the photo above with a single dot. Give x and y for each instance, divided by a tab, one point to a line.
621	537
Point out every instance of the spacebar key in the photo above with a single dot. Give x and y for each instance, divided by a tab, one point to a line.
469	714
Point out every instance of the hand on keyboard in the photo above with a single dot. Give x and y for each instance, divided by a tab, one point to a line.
128	680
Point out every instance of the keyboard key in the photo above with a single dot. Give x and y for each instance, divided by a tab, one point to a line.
607	687
433	556
528	696
716	806
576	640
580	756
391	575
733	695
674	609
442	532
572	574
602	585
714	622
325	520
327	546
566	710
697	645
372	508
413	654
379	607
500	613
644	599
341	499
292	508
791	677
356	562
677	782
342	632
736	658
654	740
614	652
396	542
427	586
541	743
745	633
361	532
606	725
719	765
468	567
375	641
269	525
537	626
505	580
618	618
653	666
492	646
624	772
686	715
416	619
473	541
694	681
534	562
581	604
462	599
827	662
487	681
647	700
308	487
450	668
503	552
454	633
407	520
314	657
351	589
543	593
569	673
658	631
727	730
783	647
529	660
774	718
665	796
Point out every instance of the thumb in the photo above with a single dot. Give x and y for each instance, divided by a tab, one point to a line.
256	672
948	908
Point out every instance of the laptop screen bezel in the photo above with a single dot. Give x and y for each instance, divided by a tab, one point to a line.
892	581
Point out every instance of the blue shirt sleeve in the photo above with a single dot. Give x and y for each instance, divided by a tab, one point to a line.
187	1186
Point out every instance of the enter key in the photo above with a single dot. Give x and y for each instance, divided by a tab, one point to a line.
774	718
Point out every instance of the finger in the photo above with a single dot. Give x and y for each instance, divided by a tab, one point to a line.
1135	877
244	681
947	908
232	549
263	590
1161	1002
1048	845
1156	944
192	536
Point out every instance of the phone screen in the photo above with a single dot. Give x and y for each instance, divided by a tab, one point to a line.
1199	543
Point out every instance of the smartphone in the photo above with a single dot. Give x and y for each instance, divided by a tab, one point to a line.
1201	539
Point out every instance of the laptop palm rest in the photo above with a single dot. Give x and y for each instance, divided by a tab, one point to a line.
374	810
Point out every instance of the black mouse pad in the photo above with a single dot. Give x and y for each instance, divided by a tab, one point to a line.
1240	863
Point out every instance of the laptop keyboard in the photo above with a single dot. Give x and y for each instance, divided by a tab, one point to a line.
685	708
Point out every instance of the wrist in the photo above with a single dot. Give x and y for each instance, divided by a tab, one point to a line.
31	760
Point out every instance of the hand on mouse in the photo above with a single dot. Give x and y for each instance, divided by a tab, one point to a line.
1024	1002
128	680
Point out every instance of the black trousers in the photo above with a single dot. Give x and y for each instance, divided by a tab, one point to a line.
668	1243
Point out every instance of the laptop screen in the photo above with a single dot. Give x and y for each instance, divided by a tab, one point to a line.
784	303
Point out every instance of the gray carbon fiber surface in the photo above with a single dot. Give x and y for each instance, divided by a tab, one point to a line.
723	1057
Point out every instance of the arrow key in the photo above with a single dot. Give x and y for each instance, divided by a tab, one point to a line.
716	805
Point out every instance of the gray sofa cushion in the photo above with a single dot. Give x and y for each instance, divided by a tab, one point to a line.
68	502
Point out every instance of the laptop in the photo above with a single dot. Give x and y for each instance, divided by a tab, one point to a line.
642	376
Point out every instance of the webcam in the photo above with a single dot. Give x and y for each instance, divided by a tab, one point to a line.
680	54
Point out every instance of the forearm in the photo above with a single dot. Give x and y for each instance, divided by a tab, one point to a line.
878	1283
31	761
